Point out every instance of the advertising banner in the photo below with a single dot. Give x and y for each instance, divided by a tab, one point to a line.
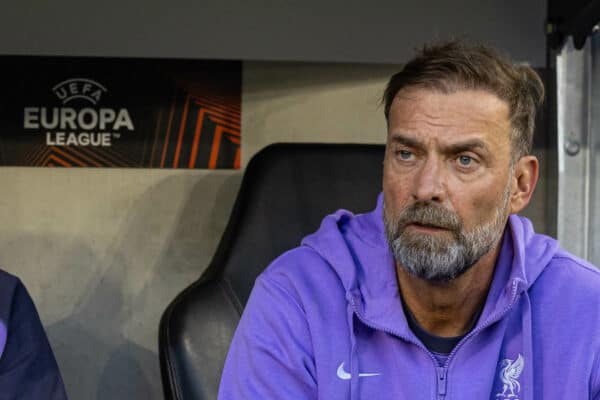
125	113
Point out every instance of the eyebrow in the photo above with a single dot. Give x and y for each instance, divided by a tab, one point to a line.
407	141
467	145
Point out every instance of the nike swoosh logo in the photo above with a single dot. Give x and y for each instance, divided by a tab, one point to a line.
345	375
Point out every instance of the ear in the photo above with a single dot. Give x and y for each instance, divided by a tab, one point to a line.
525	176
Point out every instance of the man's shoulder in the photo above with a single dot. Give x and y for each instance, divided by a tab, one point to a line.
569	274
14	297
301	262
10	286
304	274
577	268
8	280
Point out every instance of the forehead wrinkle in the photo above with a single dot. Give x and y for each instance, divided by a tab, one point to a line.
445	117
418	101
480	127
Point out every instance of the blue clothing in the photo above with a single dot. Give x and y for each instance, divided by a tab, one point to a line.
440	347
28	370
325	321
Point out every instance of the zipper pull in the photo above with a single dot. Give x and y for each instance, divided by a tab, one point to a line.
441	382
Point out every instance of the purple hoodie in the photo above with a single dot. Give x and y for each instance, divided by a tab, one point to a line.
325	321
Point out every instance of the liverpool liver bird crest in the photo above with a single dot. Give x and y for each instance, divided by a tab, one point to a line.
509	375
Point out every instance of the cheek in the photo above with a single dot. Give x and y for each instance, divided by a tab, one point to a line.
481	206
395	188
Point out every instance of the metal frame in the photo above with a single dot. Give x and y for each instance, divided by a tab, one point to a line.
578	111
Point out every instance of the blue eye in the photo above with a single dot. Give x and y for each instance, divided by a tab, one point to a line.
405	154
464	161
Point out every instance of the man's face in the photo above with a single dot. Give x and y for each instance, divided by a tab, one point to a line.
447	179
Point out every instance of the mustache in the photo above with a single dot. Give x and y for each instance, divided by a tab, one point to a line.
429	214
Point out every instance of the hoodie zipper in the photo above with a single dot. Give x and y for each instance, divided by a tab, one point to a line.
442	372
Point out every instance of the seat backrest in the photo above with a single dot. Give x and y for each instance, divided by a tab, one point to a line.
286	191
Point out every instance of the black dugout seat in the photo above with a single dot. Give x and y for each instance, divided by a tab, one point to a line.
286	190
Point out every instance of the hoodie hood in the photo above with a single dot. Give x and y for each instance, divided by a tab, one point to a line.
356	248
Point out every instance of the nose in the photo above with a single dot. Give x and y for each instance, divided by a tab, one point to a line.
430	182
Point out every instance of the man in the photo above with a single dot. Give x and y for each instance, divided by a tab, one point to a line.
442	292
28	370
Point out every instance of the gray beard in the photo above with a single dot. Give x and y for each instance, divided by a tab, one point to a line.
441	258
